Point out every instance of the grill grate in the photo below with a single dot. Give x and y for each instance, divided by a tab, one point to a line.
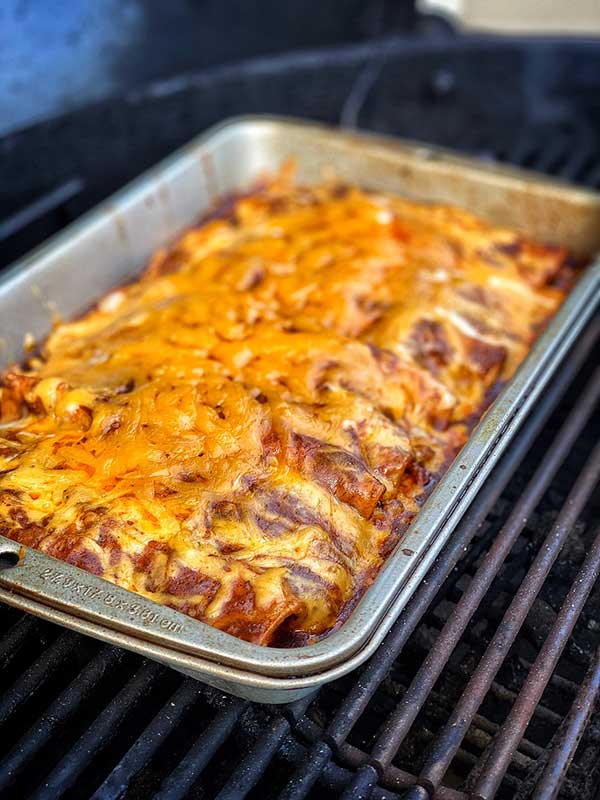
484	687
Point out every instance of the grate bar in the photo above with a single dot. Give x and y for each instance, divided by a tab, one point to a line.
180	781
42	669
149	742
334	777
417	793
452	734
562	754
509	735
398	779
309	772
56	714
14	639
398	724
508	696
564	684
490	729
363	783
248	772
99	733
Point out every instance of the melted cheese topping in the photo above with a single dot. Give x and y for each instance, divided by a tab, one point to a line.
245	433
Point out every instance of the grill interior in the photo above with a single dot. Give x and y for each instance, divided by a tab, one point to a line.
486	684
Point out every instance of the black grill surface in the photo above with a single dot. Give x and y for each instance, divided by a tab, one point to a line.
486	685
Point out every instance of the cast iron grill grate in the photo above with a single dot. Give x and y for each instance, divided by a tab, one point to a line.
81	719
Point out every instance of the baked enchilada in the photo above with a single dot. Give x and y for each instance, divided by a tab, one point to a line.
245	433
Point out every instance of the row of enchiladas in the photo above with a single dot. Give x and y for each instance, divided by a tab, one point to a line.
245	433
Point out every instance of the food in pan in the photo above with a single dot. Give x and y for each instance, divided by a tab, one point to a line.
245	433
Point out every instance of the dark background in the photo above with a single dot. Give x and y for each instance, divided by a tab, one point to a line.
58	54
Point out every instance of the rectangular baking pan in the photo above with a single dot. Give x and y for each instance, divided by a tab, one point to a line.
110	245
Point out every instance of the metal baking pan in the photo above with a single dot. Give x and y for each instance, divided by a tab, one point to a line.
110	245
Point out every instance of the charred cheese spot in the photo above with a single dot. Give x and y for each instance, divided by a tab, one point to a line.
246	432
